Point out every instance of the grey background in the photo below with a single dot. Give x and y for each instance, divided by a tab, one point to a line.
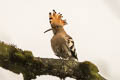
93	24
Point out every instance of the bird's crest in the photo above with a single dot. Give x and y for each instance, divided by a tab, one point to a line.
56	19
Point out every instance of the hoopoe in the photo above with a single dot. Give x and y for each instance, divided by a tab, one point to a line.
61	43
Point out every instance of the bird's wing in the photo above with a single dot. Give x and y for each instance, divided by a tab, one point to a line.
70	45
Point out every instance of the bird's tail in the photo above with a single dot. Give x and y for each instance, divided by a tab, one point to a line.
56	19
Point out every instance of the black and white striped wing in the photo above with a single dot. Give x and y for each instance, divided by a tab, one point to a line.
71	46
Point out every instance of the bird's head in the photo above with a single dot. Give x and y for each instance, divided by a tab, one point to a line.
56	21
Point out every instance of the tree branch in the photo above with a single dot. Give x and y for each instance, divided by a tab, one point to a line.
19	61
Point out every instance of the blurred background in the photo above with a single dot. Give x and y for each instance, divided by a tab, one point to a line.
93	24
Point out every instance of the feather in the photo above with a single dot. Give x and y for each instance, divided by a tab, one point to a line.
70	46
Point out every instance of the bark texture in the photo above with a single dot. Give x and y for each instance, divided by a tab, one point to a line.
19	61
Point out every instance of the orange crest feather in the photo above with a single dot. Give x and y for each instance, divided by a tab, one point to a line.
56	19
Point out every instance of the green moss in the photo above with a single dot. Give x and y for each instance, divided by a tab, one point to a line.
28	54
93	71
92	67
23	55
70	63
4	50
65	68
20	56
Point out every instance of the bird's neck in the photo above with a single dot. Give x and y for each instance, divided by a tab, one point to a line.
58	30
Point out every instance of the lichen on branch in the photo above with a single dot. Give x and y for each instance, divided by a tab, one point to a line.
23	61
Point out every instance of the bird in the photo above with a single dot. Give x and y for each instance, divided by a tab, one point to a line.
62	44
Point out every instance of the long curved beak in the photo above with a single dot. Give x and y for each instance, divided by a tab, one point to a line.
48	30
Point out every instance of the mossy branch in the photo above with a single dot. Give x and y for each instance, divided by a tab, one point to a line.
19	61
